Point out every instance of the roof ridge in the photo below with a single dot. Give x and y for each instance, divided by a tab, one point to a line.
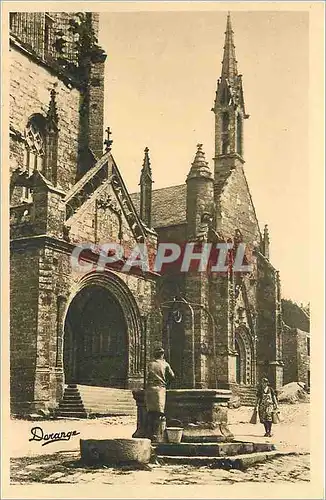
160	189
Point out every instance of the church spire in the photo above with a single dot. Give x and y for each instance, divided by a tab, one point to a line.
146	182
229	64
229	109
146	170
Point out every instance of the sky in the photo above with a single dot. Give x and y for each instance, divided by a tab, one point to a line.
160	82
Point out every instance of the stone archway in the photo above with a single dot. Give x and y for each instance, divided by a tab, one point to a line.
245	369
102	334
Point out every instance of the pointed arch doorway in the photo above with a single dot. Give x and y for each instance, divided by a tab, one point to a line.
95	345
245	359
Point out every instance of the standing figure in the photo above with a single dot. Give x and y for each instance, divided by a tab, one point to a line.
159	374
266	403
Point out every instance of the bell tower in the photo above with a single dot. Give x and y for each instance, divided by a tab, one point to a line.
229	109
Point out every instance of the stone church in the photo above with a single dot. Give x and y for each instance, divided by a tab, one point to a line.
98	327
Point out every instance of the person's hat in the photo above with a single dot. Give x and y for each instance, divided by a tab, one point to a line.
264	379
158	350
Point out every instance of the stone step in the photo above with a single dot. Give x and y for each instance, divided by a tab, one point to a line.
107	400
71	414
212	449
247	394
240	462
85	399
71	405
72	400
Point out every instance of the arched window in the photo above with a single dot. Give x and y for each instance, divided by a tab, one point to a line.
225	132
34	147
239	135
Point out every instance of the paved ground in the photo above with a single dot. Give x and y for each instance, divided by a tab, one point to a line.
59	462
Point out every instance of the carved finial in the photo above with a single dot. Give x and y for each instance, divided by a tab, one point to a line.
265	242
146	171
52	114
200	160
199	167
108	142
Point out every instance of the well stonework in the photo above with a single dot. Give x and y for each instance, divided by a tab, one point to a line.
202	412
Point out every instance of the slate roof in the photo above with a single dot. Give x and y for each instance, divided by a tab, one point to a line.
168	205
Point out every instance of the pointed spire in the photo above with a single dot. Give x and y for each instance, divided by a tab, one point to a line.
146	170
199	167
52	114
266	242
146	190
229	63
266	233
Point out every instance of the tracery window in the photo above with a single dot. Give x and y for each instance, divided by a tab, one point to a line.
34	147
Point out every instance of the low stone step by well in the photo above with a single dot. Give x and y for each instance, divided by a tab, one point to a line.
240	462
211	449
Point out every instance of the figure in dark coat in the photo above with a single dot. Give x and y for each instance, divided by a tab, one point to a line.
159	374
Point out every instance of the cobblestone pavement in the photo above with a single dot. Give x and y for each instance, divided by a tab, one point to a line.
64	467
59	462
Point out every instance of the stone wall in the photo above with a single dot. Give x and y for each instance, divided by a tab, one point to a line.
23	323
235	208
290	355
269	354
303	356
30	86
296	355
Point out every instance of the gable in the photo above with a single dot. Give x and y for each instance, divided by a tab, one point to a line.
235	206
105	214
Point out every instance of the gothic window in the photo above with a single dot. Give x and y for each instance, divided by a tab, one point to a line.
225	132
239	134
34	147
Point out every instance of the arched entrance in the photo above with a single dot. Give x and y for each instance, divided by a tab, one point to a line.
95	347
103	343
245	370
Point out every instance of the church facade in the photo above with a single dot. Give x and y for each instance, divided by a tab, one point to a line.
97	327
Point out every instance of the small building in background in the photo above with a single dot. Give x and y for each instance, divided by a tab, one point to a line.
296	343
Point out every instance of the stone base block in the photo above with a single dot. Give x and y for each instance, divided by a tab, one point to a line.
240	462
115	451
206	433
204	409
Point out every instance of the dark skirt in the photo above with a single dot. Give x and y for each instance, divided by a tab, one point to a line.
155	399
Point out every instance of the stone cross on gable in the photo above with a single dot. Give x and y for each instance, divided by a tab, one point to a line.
108	142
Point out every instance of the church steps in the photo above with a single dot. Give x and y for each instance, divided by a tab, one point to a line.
80	401
246	393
